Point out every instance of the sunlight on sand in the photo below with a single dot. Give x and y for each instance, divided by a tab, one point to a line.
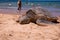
11	30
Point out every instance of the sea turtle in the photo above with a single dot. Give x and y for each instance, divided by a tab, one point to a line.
37	16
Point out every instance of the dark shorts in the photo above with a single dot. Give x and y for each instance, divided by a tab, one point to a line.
19	9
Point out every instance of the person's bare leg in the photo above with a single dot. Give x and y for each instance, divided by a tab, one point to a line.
19	10
19	6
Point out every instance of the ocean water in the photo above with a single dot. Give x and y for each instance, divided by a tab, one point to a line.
53	7
53	4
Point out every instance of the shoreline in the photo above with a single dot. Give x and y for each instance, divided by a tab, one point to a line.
10	10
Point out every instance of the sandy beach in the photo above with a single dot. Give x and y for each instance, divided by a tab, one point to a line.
11	30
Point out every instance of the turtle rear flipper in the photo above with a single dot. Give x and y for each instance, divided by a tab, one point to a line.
53	19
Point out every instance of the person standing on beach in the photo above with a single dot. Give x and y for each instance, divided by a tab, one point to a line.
19	5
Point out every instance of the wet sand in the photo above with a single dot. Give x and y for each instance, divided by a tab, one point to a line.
11	30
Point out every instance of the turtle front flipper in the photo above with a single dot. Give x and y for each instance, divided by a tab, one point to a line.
42	22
